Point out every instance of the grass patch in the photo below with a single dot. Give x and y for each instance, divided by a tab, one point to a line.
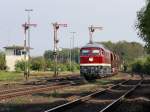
18	100
103	82
15	76
55	94
10	76
51	73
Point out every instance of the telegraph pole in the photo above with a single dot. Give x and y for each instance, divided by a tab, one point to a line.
73	50
56	41
70	53
91	31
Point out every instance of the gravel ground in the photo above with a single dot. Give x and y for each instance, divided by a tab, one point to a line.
138	101
136	105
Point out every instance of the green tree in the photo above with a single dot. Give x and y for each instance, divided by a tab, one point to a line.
2	61
38	63
48	55
143	24
63	55
127	51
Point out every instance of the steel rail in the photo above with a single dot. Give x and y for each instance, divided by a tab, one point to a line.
40	86
68	105
30	88
26	92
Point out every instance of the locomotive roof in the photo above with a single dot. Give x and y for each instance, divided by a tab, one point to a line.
96	45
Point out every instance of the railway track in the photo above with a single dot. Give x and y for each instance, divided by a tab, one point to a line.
30	90
41	81
100	101
5	94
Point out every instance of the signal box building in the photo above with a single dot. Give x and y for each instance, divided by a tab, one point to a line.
14	54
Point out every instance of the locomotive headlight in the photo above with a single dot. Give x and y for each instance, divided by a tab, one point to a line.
91	59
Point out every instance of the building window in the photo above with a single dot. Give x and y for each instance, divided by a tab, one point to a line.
23	52
17	52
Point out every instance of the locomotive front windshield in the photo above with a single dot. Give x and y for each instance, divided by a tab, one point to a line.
85	52
95	52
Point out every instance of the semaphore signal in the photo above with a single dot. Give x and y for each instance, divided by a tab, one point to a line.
56	26
27	26
91	31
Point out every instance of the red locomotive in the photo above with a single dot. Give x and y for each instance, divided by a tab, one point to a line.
97	61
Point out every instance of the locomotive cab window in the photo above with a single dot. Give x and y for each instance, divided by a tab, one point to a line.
85	52
95	52
102	53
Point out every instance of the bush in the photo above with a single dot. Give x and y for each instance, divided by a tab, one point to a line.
20	66
74	66
49	65
141	66
62	67
137	66
146	67
37	63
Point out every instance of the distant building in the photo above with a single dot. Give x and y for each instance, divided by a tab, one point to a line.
14	54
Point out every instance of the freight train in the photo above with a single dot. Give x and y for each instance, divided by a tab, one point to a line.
97	61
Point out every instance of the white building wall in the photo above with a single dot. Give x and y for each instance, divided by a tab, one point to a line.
11	59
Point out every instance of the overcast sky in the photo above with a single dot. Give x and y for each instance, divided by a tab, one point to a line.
117	17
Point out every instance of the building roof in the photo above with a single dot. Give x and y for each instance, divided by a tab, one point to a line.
16	47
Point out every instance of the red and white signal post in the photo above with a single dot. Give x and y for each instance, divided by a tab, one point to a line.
26	27
56	41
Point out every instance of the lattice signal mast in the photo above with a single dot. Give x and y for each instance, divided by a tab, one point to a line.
56	26
92	30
